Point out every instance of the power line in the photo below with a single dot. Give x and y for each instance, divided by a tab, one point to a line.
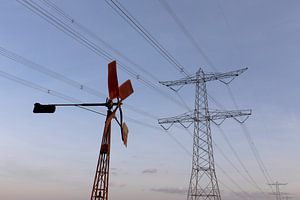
203	175
60	77
70	19
246	132
223	171
68	81
136	25
257	155
251	144
80	26
65	97
226	174
194	42
229	28
197	46
45	90
34	7
71	99
37	9
185	31
277	193
132	21
228	188
253	147
251	181
90	33
233	181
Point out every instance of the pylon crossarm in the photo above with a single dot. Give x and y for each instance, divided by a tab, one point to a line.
220	115
180	82
216	116
229	76
183	119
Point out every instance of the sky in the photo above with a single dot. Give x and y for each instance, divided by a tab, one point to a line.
55	155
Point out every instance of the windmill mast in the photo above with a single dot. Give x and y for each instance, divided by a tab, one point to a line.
100	187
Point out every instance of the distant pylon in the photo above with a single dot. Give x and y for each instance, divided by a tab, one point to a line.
287	197
277	192
203	182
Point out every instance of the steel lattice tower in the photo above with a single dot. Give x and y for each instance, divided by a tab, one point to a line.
203	170
203	182
277	193
100	186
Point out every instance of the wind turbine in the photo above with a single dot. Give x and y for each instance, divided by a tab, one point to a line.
117	94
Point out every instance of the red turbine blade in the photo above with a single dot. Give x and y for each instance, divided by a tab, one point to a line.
125	90
113	85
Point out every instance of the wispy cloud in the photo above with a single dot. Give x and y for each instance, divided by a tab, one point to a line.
150	171
254	195
113	171
20	171
170	190
113	184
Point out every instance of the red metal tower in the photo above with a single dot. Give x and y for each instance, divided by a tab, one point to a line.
117	94
101	180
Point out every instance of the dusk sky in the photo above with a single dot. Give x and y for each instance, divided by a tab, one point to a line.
54	156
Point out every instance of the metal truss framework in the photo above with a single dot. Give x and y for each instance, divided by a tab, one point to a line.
100	186
277	193
203	182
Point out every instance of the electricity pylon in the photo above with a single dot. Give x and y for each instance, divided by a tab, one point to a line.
277	192
203	182
287	197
